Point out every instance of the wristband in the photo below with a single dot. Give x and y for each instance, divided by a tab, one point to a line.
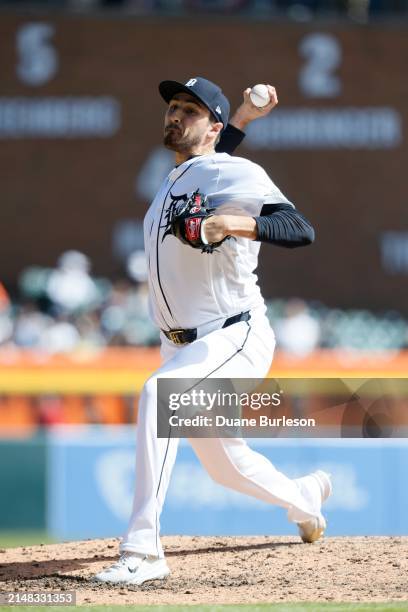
202	232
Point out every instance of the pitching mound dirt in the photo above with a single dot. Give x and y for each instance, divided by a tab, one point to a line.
217	570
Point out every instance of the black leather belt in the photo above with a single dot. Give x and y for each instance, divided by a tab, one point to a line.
186	336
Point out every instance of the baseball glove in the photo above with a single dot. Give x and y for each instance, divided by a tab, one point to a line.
187	221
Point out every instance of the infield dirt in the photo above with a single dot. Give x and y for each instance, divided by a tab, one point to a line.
217	570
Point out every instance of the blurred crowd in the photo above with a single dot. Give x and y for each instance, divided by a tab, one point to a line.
301	10
68	309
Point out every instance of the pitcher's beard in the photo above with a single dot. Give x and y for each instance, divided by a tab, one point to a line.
173	142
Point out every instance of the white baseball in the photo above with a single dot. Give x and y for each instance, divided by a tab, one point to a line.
259	95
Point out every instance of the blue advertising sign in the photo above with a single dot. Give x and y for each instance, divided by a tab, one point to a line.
91	479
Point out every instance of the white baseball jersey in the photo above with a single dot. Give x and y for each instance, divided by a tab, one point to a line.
189	288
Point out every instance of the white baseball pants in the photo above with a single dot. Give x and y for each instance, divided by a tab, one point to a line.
244	350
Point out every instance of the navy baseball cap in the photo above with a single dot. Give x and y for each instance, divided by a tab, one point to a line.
206	92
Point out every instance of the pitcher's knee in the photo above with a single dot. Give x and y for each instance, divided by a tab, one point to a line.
148	399
150	388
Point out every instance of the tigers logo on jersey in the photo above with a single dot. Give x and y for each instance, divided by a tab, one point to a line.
175	206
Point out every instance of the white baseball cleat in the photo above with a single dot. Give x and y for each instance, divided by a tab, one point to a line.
312	530
133	568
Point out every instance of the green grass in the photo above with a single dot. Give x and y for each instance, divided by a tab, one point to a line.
289	607
12	539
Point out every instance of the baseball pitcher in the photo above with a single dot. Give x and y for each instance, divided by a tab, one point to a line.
203	233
